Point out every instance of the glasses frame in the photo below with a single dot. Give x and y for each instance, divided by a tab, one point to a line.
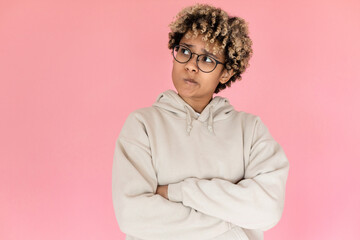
197	59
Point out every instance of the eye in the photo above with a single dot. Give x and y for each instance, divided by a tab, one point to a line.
207	59
184	50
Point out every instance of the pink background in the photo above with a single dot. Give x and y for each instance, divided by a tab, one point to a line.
71	72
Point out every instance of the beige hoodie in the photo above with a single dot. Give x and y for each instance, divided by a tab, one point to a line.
226	175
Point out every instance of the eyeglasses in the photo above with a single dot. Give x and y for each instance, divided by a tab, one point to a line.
204	62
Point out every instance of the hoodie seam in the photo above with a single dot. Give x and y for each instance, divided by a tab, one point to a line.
229	115
169	113
184	118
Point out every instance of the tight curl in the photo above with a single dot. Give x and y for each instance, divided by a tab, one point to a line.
229	35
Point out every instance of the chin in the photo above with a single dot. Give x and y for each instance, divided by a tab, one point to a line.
184	91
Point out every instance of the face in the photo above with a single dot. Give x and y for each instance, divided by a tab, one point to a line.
192	84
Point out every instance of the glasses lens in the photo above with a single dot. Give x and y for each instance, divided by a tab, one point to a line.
182	54
206	63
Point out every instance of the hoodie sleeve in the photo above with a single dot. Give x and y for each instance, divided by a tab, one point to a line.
255	202
139	211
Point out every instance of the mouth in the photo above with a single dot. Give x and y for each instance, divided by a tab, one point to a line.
190	81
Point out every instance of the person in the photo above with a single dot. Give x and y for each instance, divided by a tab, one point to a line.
190	166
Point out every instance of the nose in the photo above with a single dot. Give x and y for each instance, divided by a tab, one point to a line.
191	65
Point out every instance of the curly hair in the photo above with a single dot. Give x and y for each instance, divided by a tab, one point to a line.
229	35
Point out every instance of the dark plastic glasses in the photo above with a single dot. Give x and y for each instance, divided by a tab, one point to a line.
204	62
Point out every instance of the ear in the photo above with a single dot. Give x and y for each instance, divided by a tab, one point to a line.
226	75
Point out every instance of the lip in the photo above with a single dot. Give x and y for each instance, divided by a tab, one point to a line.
189	80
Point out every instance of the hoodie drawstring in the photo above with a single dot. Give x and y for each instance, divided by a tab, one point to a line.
188	120
210	126
210	122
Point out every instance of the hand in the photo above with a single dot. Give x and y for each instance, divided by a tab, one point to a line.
163	191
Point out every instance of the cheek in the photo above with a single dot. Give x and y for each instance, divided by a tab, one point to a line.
176	69
174	72
213	82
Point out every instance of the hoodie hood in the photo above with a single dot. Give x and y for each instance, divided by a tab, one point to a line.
218	108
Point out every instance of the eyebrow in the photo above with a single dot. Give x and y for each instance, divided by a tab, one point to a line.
203	50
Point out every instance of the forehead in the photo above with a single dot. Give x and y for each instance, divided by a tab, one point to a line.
198	43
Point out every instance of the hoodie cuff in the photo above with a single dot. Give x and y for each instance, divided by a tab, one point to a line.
175	192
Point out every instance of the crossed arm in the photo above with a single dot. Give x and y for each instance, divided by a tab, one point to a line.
196	208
